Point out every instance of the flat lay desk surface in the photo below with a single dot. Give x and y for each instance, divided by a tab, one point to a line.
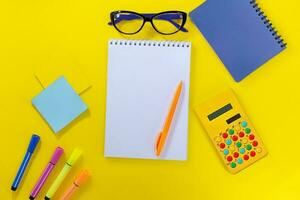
74	33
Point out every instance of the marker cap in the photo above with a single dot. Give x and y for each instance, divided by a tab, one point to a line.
56	155
83	176
33	143
74	156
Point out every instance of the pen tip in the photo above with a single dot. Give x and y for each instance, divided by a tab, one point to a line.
157	153
47	198
13	188
31	198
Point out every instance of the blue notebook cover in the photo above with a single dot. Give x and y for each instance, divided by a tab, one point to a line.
239	32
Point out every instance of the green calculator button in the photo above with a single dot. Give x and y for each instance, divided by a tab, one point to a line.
248	130
231	131
244	124
233	165
238	144
248	147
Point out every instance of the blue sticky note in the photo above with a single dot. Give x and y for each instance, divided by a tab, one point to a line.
59	104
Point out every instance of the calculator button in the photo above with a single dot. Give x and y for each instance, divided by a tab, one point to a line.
236	154
229	158
242	150
222	145
259	150
224	135
248	147
247	130
238	144
228	141
241	134
231	131
237	127
218	139
235	138
232	148
246	157
255	143
252	153
239	160
226	152
233	165
251	137
244	124
244	140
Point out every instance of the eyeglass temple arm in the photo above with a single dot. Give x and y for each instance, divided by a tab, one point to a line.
166	17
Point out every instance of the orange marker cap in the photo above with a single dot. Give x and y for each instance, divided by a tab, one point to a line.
83	176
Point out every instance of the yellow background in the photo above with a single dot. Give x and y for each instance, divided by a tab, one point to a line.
74	33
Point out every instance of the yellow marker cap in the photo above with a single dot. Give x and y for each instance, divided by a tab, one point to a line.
74	156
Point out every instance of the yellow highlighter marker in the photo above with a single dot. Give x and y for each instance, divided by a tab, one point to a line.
63	173
164	133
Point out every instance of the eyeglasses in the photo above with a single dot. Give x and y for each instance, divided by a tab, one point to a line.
166	23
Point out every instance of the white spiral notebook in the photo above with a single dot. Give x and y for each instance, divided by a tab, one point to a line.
142	78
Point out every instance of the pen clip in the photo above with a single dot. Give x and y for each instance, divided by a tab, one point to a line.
158	141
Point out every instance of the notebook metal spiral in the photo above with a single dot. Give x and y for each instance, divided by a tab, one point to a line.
152	43
268	24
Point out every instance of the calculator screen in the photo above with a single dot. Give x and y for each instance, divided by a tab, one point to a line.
219	112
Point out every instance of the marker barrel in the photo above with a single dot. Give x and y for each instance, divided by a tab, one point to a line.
55	157
31	147
69	193
21	171
58	181
41	180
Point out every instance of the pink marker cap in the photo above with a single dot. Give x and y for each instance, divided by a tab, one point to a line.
56	155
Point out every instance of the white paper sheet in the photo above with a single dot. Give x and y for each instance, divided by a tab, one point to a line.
142	79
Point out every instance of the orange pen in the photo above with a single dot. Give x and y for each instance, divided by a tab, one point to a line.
161	140
83	176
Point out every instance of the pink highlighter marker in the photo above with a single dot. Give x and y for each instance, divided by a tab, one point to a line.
55	157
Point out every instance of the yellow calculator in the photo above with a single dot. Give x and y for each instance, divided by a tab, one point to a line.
231	131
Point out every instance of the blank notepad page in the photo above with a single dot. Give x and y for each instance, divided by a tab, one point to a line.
142	79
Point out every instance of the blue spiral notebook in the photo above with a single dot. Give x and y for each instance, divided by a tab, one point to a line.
239	32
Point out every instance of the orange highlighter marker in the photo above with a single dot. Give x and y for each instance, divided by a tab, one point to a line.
161	140
83	176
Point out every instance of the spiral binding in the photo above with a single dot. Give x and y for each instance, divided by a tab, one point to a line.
153	43
268	24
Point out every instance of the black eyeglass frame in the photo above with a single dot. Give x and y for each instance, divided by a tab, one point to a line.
148	18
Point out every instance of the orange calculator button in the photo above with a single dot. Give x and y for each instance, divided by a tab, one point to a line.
235	138
255	143
241	134
225	135
251	137
252	153
222	145
246	157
